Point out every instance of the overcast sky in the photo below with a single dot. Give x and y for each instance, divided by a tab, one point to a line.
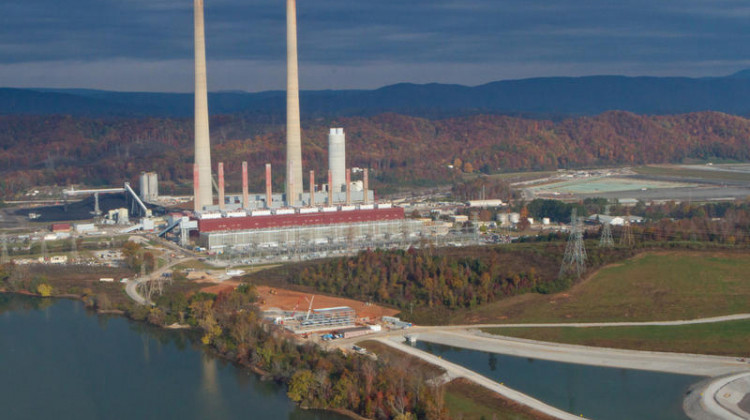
146	45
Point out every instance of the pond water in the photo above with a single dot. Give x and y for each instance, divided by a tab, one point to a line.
61	361
596	392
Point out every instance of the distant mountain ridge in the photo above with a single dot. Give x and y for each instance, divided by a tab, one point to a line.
546	98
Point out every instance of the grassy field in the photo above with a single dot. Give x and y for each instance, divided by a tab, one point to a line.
391	355
723	339
650	287
468	401
692	173
195	265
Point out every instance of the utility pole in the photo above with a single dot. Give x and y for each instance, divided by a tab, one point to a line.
627	233
606	240
5	259
73	248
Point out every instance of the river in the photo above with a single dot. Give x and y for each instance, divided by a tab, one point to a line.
595	392
59	360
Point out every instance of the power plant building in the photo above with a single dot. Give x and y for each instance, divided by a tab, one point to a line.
336	211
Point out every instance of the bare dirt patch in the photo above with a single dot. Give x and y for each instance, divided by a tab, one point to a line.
287	299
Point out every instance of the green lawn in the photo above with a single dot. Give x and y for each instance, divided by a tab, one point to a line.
694	173
468	401
649	287
195	265
725	338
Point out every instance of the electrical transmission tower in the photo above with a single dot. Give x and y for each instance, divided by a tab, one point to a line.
5	259
606	240
627	233
73	249
574	260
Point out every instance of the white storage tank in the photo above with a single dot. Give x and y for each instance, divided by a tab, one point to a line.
143	183
337	158
153	185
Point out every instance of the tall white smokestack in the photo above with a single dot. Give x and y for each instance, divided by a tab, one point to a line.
293	130
337	157
202	142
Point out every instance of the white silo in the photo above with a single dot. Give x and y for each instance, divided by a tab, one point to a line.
337	158
153	185
144	192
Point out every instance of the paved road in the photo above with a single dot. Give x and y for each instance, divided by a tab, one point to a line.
686	364
457	371
131	288
736	317
716	398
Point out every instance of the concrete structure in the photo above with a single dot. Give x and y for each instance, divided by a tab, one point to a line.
153	185
202	188
337	158
293	129
143	186
149	186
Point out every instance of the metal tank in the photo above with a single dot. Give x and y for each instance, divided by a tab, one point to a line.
337	158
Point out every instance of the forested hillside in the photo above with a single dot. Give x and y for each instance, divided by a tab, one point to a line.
400	150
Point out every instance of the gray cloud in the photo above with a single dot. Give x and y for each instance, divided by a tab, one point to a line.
145	44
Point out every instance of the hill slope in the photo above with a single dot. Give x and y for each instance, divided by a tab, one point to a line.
538	98
400	150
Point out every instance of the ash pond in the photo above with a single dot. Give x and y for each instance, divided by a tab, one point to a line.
59	360
591	391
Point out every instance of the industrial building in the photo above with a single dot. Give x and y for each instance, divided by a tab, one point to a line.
335	211
325	319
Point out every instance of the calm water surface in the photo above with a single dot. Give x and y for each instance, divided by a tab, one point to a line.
596	392
60	361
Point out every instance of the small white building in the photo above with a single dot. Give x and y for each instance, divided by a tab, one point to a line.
485	203
85	227
459	218
58	259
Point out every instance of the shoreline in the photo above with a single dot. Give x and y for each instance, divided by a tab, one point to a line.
262	374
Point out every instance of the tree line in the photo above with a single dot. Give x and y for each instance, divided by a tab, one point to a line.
50	150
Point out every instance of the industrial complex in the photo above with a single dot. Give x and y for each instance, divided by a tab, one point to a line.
327	212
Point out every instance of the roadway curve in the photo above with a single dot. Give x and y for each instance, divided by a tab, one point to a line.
456	371
131	288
